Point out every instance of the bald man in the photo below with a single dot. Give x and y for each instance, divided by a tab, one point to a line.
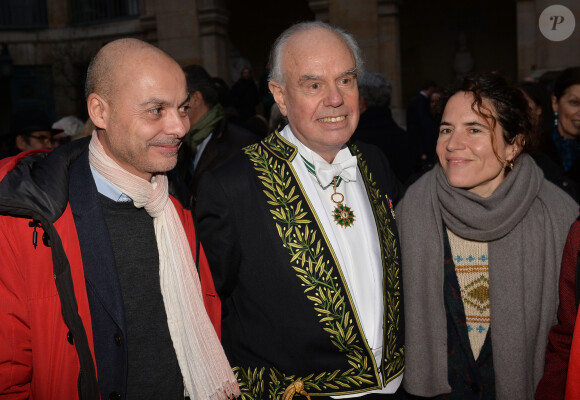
99	287
301	239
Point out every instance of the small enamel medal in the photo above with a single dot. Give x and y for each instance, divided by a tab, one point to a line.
343	215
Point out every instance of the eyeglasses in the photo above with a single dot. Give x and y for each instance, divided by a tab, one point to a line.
43	139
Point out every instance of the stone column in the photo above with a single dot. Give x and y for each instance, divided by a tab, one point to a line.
526	35
389	53
375	25
213	35
177	29
58	13
320	9
361	19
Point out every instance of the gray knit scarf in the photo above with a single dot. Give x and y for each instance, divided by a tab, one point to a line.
525	223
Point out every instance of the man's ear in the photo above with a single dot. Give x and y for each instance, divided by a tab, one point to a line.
20	142
196	98
99	110
279	96
362	104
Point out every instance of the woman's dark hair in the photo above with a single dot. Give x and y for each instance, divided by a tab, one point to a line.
509	107
568	77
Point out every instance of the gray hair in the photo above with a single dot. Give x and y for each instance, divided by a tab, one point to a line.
277	73
375	88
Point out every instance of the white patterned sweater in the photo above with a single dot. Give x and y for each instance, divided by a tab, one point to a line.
471	267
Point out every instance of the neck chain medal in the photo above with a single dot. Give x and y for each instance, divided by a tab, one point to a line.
343	215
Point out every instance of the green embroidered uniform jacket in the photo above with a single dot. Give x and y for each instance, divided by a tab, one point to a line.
287	312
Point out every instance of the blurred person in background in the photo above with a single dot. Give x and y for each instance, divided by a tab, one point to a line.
434	106
30	130
545	153
211	139
245	95
71	127
376	125
421	126
566	130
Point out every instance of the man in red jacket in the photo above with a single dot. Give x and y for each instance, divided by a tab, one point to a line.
99	291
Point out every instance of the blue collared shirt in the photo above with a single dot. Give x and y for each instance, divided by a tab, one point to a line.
107	189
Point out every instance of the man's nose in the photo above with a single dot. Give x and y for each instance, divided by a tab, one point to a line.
177	123
333	97
48	144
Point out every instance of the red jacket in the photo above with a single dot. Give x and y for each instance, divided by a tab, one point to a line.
37	358
573	376
553	383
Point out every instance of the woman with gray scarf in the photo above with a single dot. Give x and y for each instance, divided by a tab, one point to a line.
482	236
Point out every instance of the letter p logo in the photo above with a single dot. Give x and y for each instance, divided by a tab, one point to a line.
557	23
558	19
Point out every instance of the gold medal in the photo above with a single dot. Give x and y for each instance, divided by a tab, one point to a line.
343	215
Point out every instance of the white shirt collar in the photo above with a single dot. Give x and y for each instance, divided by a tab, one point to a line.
311	156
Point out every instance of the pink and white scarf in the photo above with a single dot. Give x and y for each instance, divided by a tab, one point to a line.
204	366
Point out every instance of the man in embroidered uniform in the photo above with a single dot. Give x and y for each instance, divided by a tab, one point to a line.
122	301
301	237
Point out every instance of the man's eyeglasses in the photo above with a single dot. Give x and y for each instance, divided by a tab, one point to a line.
42	138
53	140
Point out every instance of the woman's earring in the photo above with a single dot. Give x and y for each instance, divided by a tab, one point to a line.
555	118
509	165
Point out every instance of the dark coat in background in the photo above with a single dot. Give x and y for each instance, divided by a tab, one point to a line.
421	127
376	126
228	139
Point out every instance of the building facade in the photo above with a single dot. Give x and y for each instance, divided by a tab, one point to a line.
46	45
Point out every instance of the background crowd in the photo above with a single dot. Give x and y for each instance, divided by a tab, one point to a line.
485	177
249	109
